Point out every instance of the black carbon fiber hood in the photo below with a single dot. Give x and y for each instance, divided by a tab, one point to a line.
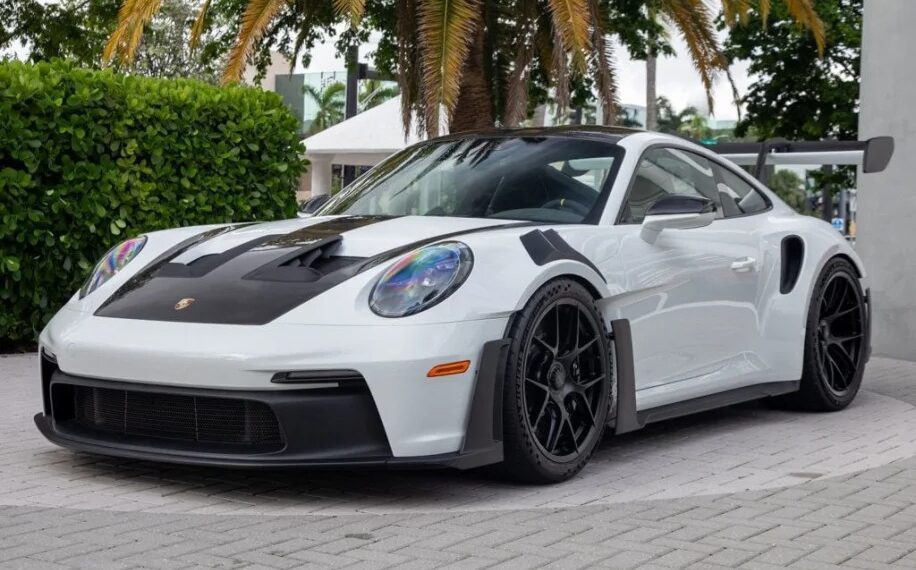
254	282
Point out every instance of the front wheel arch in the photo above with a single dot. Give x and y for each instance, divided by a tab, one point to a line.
542	351
563	269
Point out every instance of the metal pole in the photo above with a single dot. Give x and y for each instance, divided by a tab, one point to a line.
827	195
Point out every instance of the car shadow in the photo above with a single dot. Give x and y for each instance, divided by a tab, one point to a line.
299	490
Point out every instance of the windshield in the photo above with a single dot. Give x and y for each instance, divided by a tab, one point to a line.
543	179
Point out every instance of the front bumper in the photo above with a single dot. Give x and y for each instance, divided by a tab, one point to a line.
319	423
421	416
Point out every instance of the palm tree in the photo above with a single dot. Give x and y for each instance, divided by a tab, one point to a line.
696	127
734	12
670	121
374	92
445	49
330	103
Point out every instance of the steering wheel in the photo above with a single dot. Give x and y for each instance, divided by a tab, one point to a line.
567	204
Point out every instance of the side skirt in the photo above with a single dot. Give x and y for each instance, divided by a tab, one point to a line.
718	400
627	418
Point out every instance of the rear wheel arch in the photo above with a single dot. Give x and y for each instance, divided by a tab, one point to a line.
825	260
856	265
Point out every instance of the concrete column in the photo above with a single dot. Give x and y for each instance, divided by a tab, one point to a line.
321	174
886	216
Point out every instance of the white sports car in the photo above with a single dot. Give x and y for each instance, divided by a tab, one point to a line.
502	297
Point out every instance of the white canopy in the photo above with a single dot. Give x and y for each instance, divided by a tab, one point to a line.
363	140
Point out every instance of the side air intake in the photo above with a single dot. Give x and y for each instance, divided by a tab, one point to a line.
793	256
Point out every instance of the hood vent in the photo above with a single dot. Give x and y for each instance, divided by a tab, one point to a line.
305	265
207	263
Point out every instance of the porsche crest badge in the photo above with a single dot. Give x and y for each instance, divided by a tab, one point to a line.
184	303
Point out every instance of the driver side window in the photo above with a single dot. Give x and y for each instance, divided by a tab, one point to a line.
664	171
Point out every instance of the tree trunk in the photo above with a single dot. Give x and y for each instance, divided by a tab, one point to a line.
474	109
651	96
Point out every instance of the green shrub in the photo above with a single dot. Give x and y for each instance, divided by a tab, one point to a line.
89	158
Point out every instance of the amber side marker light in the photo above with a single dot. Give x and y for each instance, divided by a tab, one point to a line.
449	369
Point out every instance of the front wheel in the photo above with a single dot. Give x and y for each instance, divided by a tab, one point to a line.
558	384
835	341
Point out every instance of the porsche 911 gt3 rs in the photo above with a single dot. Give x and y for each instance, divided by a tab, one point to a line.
501	297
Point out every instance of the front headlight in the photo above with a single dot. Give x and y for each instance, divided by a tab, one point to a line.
421	279
112	262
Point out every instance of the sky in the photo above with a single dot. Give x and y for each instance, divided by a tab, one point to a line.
677	79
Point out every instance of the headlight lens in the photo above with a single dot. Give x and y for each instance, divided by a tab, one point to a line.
112	262
421	279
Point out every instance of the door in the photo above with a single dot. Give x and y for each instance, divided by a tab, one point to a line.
690	296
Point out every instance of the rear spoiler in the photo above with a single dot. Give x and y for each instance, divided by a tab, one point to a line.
873	154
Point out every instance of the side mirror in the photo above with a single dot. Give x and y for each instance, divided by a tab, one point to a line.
679	212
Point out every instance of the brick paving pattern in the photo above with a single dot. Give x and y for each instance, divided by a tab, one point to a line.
747	487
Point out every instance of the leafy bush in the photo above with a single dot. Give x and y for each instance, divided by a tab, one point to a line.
89	158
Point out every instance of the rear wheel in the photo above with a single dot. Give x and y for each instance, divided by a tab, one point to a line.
835	341
558	384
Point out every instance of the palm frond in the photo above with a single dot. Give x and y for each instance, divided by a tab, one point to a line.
374	92
125	39
125	16
693	19
258	15
571	20
804	13
147	9
333	92
765	7
313	93
560	75
408	70
446	28
735	11
352	9
603	64
197	29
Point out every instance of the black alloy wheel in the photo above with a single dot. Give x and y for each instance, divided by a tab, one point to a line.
559	384
564	378
836	341
840	333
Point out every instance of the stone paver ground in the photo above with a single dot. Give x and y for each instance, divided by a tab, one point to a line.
746	487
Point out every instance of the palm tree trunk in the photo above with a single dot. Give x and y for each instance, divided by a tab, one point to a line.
474	109
651	96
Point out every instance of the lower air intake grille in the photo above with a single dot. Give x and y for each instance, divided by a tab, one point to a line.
192	419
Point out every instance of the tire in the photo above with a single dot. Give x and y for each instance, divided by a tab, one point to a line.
835	341
558	356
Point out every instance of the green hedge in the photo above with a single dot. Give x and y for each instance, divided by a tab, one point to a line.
88	158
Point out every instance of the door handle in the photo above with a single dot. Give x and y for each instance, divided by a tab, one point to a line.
744	264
